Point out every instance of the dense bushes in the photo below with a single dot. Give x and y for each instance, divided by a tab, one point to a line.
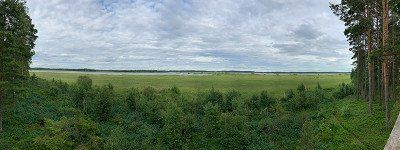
149	118
104	101
343	91
133	98
68	133
83	92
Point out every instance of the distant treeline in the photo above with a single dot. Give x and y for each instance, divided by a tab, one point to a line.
182	71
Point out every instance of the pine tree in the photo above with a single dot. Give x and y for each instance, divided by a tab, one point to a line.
385	26
17	37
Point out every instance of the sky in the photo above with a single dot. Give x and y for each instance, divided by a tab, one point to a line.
256	35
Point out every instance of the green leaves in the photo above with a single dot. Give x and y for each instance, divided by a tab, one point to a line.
16	43
69	133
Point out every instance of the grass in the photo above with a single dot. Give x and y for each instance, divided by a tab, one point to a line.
274	84
359	130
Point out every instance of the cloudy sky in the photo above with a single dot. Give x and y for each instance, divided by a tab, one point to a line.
260	35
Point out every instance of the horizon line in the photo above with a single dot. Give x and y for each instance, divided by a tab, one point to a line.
187	70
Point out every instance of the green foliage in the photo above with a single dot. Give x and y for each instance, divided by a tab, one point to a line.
343	91
254	103
234	132
267	101
83	92
345	111
175	91
104	103
68	133
171	119
178	127
17	39
215	97
84	82
133	98
210	120
149	93
303	98
307	139
231	95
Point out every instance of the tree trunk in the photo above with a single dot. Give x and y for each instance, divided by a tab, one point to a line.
385	27
370	66
371	87
377	40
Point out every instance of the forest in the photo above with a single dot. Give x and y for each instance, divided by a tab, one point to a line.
373	32
39	112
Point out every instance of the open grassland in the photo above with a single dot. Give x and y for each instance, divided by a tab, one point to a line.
247	83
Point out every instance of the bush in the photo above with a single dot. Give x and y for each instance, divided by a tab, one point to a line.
82	92
133	98
230	96
84	82
149	93
210	120
301	88
175	91
178	127
234	133
266	101
104	103
303	99
165	119
69	133
343	91
215	97
345	111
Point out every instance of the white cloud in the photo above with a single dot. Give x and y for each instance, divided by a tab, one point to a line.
189	34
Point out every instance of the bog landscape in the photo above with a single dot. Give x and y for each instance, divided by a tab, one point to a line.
186	74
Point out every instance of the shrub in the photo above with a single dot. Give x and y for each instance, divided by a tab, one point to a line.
133	98
343	91
82	92
303	99
301	88
234	133
118	139
266	101
230	96
149	93
215	97
69	133
84	82
178	126
345	111
210	120
104	100
175	91
322	95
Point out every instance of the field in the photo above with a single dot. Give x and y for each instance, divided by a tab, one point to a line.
247	83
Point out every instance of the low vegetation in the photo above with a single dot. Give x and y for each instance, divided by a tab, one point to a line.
245	83
55	115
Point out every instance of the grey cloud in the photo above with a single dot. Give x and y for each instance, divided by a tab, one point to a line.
307	32
189	34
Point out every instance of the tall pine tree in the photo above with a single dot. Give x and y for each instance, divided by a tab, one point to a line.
17	37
